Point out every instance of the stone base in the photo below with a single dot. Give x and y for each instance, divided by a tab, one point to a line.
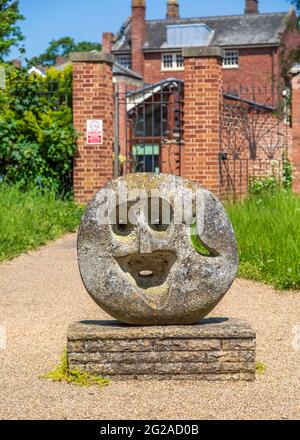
216	350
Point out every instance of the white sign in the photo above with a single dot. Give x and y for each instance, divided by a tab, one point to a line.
94	133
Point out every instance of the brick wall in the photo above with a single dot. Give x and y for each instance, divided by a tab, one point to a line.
153	72
255	68
295	154
202	104
93	98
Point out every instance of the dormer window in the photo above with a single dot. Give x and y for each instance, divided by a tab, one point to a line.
231	59
172	61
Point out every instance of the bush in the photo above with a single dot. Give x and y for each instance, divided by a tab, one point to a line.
37	139
30	219
267	230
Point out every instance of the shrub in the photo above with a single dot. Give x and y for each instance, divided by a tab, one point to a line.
37	139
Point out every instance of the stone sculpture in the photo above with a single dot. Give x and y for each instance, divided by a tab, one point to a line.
145	270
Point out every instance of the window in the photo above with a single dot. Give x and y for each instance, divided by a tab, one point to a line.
146	158
151	120
179	61
124	60
173	61
231	59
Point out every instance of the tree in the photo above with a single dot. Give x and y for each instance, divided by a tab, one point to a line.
296	3
10	32
62	47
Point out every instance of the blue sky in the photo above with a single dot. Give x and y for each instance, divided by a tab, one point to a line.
87	19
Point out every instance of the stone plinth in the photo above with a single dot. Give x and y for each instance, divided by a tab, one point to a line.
215	350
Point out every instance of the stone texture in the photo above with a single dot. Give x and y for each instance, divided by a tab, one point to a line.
214	349
203	52
185	285
92	57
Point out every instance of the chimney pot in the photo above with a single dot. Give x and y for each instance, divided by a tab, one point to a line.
172	9
251	7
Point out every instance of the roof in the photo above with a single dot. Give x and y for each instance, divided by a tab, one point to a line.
38	70
137	97
229	31
118	69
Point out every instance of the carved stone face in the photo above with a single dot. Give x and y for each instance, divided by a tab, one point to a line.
140	266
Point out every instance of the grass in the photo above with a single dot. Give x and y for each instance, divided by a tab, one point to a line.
267	228
30	219
62	373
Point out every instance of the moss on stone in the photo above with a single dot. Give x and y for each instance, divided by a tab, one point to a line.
62	373
260	368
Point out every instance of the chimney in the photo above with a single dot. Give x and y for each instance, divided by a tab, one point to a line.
251	7
17	63
138	34
60	60
107	42
172	9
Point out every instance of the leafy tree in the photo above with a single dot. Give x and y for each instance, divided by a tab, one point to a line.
288	56
62	47
10	32
296	3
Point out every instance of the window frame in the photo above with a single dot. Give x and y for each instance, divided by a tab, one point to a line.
175	62
129	58
237	55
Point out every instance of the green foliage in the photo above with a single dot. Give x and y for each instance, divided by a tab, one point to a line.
287	174
267	230
288	56
61	48
37	139
30	219
10	33
260	368
271	184
197	243
62	373
296	3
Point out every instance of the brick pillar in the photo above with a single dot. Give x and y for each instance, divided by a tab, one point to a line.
93	98
295	153
203	97
138	33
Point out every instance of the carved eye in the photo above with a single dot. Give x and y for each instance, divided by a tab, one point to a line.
160	215
120	223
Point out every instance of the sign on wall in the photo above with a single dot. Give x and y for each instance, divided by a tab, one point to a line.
94	132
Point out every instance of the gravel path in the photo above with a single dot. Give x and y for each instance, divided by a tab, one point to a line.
41	294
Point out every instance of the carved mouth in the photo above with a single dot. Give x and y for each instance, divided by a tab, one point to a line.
148	270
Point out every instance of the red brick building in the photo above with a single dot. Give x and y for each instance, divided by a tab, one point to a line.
180	96
252	43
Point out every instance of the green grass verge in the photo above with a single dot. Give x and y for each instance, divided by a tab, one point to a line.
30	219
62	373
267	229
